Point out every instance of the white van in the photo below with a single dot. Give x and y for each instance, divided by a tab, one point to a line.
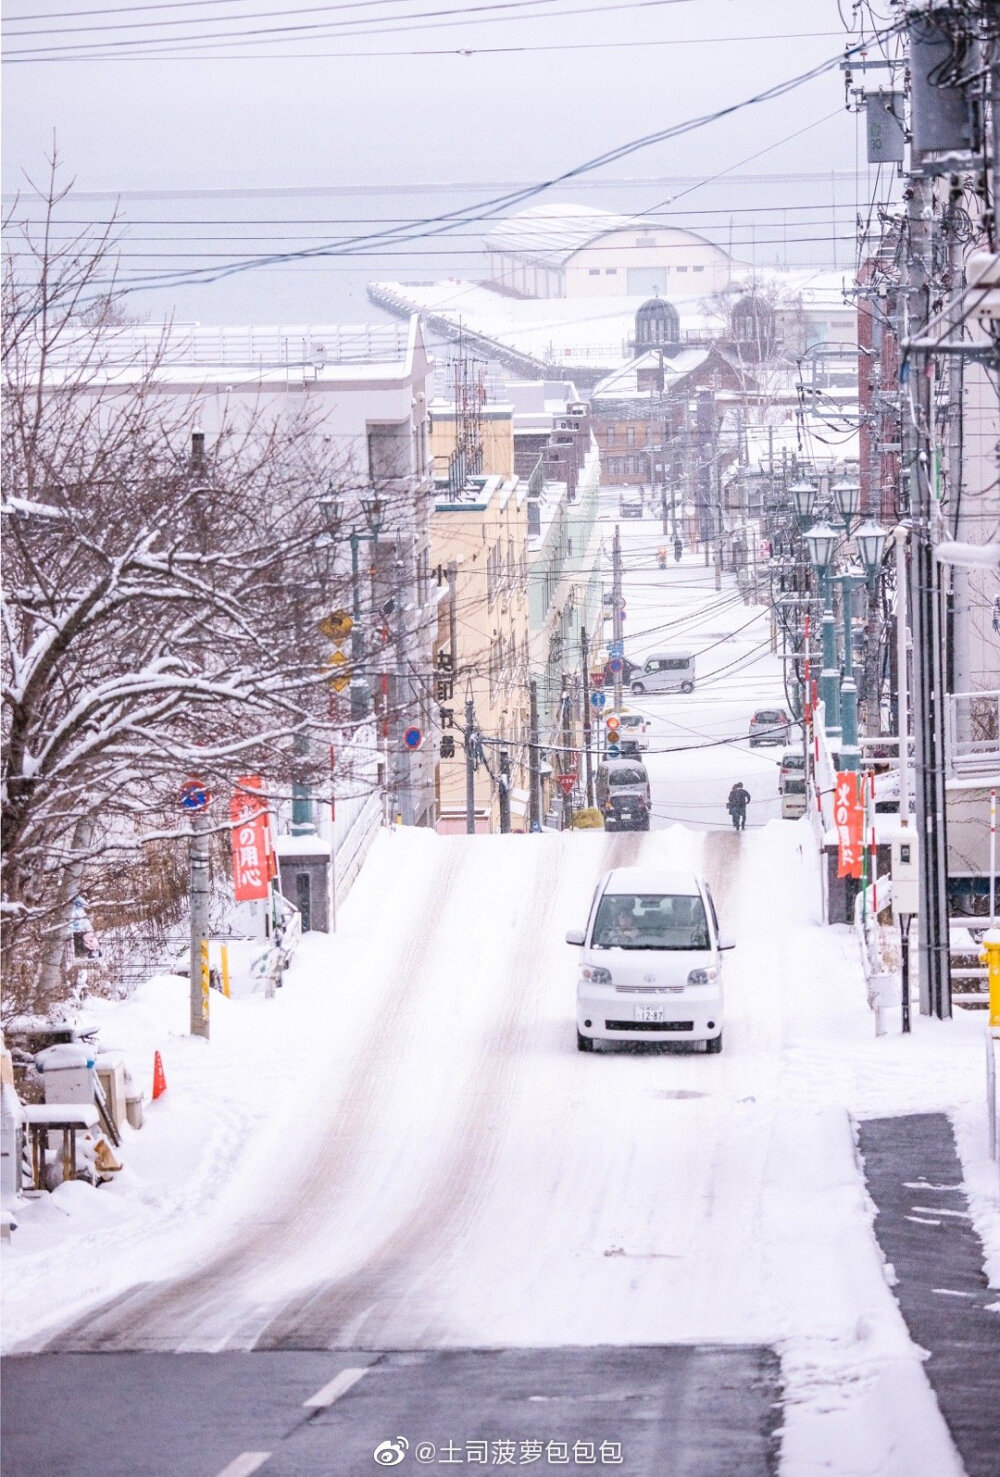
651	967
667	671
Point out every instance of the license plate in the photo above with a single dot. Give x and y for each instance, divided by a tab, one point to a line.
649	1013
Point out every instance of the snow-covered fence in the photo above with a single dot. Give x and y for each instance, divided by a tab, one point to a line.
358	819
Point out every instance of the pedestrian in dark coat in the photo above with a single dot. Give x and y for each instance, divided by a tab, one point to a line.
739	799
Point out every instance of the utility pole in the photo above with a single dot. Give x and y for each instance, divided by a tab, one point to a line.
470	767
616	614
534	799
504	792
584	658
926	613
198	972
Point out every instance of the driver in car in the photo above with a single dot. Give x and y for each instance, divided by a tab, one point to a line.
625	929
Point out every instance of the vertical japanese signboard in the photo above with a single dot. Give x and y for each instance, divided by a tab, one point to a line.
848	817
253	863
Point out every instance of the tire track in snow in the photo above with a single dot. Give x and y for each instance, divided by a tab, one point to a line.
153	1316
363	1310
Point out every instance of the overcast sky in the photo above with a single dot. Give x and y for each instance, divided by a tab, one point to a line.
185	99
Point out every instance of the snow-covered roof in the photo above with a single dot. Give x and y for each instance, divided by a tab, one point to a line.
551	233
652	880
625	381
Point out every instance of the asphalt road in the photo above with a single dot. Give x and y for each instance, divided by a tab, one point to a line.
646	1412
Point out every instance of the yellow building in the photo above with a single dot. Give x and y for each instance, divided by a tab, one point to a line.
479	540
494	431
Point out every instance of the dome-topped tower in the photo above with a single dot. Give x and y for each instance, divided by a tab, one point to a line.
752	320
657	326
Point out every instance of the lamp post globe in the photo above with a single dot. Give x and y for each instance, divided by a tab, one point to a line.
804	499
821	540
847	499
871	541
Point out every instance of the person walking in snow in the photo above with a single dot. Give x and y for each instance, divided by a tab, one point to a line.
739	799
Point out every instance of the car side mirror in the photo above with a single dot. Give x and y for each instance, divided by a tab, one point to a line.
725	942
575	936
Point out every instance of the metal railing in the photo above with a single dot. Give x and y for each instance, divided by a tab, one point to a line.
972	732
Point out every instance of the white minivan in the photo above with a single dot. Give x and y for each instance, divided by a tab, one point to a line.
651	966
667	671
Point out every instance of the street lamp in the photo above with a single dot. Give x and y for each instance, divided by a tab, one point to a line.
850	754
847	500
804	497
821	540
871	541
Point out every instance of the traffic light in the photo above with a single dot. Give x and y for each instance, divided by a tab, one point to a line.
612	735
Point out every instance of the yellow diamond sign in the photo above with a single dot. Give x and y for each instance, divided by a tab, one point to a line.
341	671
338	625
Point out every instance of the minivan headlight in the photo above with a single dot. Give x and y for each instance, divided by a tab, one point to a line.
595	974
702	976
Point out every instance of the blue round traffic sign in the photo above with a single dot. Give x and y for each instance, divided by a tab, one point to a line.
597	699
194	794
616	664
412	738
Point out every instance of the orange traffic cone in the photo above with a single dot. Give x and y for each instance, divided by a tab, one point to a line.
159	1077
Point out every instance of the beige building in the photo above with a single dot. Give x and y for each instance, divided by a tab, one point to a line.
578	251
479	541
495	431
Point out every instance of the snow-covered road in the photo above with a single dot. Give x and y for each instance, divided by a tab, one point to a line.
429	1163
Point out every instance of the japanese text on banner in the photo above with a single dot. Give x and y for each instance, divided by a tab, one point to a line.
253	864
849	820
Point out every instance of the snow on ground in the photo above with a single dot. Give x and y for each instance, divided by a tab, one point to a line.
403	1149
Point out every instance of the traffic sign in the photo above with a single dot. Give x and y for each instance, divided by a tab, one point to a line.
597	699
338	625
341	671
567	781
597	678
616	649
194	794
614	751
412	738
616	664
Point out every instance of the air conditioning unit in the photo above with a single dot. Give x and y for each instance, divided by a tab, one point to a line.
982	275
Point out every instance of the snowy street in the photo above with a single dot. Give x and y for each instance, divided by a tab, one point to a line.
442	1171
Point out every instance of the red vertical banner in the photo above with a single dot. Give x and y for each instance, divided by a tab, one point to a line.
253	856
848	817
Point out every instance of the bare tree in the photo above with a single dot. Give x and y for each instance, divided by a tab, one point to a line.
161	597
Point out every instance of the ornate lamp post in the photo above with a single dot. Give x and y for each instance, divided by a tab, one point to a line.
804	498
850	754
871	541
847	500
821	541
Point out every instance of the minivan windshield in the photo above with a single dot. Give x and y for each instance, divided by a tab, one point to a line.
626	777
650	921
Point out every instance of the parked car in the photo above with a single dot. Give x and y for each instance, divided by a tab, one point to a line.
634	733
621	788
770	726
668	671
793	762
651	966
630	503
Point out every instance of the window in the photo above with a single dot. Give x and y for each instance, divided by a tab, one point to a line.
697	269
630	436
681	269
628	921
611	271
593	271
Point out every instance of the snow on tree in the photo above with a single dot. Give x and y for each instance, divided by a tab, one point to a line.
160	603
